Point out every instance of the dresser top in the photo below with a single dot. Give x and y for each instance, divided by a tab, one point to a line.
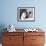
22	30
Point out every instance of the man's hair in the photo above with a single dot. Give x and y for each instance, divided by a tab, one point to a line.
23	10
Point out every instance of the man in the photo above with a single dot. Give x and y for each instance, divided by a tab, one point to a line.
23	14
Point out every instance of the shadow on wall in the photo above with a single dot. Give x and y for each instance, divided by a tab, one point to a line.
2	26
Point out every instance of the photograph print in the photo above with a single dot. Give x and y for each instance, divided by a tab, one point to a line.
26	14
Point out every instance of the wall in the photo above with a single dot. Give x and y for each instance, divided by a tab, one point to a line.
8	13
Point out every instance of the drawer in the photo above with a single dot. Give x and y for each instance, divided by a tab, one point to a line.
37	44
27	41
34	33
37	39
12	39
27	37
8	44
12	44
17	41
13	33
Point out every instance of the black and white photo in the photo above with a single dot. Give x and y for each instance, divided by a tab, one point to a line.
25	13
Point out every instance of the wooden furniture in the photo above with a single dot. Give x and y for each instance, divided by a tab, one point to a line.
13	39
23	39
34	39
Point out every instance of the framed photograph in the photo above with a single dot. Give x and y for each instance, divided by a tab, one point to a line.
25	14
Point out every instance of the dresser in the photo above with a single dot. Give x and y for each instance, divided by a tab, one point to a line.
23	39
34	39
